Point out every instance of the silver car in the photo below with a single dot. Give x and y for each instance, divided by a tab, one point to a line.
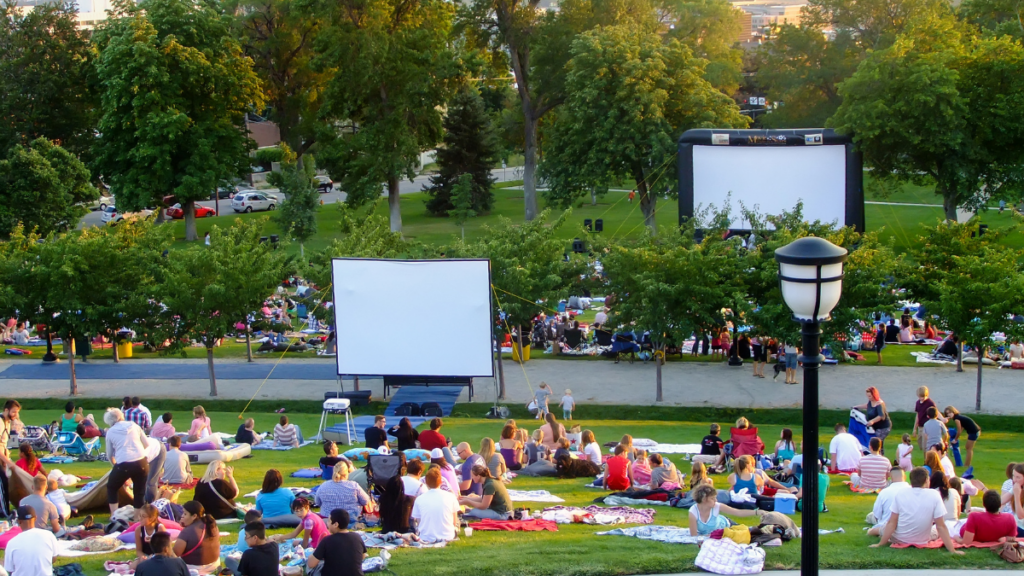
253	202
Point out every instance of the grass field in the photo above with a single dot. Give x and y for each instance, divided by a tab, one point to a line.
575	550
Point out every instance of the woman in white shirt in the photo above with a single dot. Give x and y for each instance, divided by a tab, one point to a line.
126	448
950	497
591	449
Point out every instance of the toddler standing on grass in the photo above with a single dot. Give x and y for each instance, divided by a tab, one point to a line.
567	404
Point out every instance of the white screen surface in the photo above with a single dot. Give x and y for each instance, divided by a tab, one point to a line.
413	318
771	179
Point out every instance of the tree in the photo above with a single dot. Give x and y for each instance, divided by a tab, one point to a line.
298	212
175	88
1002	17
394	66
528	267
937	107
470	148
673	287
43	187
462	197
980	296
709	28
209	289
628	97
45	63
279	35
535	44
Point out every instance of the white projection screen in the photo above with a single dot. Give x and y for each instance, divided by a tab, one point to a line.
771	171
413	317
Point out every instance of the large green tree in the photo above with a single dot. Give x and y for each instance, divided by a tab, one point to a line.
175	88
394	67
43	187
469	147
628	97
278	35
45	63
938	106
298	212
209	289
710	29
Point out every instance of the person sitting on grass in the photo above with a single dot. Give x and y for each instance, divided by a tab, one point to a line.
162	562
275	502
430	439
413	479
535	449
950	497
311	526
198	543
285	434
201	427
149	525
917	516
342	552
163	427
494	503
510	448
882	509
28	461
246	433
330	457
340	492
987	526
262	556
711	453
706	514
744	477
618	471
70	419
435	511
663	471
845	450
46	514
177	469
872	469
492	458
591	448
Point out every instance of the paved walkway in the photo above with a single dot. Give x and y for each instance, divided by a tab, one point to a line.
685	384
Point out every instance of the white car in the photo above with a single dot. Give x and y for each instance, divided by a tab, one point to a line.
253	201
111	216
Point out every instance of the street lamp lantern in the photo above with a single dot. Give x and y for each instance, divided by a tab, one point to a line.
811	279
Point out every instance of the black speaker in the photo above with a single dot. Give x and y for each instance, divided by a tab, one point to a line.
578	247
982	228
599	225
588	224
263	239
274	238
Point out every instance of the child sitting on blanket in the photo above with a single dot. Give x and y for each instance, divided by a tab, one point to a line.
57	497
641	468
311	526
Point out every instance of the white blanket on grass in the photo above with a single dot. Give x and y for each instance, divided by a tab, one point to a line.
64	548
668	534
533	496
659	448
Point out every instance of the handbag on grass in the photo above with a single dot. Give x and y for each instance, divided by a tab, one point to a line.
1010	551
727	557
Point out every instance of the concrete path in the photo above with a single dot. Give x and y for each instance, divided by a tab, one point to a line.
685	384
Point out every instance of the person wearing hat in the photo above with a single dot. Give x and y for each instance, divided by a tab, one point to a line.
30	553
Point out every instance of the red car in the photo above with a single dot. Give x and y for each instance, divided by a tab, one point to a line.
176	212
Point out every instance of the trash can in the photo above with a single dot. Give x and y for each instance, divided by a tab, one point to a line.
515	352
124	349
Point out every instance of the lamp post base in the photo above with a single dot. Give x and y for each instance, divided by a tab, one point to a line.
735	361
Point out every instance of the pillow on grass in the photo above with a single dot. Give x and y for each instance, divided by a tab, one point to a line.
417	454
360	454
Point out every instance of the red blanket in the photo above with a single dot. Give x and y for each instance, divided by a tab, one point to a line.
188	486
531	525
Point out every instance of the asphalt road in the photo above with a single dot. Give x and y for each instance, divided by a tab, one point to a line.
418	184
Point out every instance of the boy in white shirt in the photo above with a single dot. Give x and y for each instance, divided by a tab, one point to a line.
177	469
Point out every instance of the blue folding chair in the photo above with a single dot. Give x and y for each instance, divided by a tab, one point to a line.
72	444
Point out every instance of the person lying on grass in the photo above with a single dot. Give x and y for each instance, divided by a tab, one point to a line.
917	516
987	526
706	514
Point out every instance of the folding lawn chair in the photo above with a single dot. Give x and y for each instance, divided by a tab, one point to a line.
382	467
603	337
72	444
574	340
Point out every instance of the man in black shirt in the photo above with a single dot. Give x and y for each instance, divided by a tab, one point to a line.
375	435
261	559
161	563
892	332
711	449
330	455
342	552
246	433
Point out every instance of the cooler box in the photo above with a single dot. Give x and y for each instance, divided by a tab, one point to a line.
785	503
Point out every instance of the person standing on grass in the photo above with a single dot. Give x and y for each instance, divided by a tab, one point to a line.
127	447
343	552
877	415
541	397
917	516
568	405
964	425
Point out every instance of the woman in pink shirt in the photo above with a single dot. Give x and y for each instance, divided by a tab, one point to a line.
200	425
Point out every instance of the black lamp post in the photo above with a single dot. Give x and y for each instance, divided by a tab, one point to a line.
811	278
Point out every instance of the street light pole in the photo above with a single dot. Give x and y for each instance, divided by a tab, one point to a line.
811	358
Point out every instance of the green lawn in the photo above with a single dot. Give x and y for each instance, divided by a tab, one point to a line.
574	550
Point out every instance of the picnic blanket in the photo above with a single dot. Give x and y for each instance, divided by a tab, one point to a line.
659	448
667	534
185	486
298	491
861	490
929	358
625	501
308	473
64	547
269	445
531	525
393	540
628	515
939	544
533	496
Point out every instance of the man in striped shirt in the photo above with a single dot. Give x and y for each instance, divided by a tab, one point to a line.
873	469
139	415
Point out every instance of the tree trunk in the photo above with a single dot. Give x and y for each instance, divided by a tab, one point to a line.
113	342
302	250
209	364
394	204
190	221
463	232
248	345
530	163
657	371
519	340
948	203
161	217
71	365
977	396
356	384
501	371
593	196
648	201
960	356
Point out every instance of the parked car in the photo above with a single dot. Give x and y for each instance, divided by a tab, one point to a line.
177	212
253	201
224	192
324	184
111	216
101	203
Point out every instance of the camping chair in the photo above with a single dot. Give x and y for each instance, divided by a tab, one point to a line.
35	436
603	337
746	442
382	467
72	444
574	340
625	343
